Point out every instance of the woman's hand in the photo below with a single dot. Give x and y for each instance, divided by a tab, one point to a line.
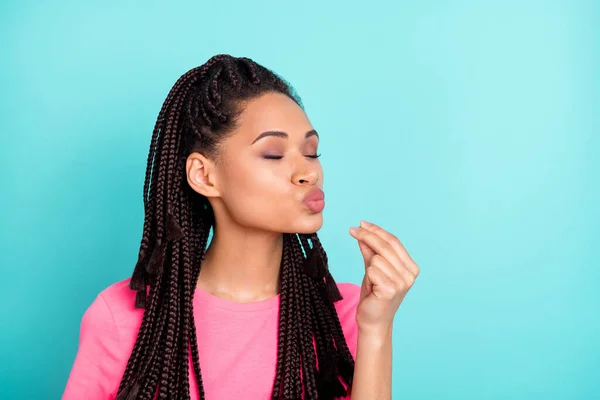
389	274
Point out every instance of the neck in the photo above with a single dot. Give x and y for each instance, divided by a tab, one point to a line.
241	264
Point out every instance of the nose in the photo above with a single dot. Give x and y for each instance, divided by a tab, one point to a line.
305	174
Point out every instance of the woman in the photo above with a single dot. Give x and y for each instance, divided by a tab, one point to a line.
256	314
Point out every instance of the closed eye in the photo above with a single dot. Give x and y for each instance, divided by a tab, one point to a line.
273	157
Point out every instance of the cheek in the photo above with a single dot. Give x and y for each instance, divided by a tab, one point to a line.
257	182
258	193
266	198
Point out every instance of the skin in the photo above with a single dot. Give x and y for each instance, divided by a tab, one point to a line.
256	199
390	272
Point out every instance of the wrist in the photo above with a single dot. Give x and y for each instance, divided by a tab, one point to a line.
375	332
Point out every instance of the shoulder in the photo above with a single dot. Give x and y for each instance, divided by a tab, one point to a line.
110	324
118	292
107	334
119	296
113	306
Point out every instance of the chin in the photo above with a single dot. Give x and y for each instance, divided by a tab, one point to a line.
307	224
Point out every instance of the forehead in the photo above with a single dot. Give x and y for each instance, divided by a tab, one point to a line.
272	111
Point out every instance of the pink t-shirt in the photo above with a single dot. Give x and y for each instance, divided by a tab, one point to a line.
237	343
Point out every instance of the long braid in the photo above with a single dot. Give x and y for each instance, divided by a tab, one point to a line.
145	243
199	111
169	372
306	318
347	362
192	326
293	352
301	322
142	348
285	273
187	303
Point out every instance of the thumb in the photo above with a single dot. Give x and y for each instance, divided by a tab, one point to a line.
366	252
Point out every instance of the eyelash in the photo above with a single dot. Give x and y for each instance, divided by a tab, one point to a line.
280	157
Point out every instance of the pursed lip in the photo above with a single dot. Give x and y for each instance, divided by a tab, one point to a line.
314	195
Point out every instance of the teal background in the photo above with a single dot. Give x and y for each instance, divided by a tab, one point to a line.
469	129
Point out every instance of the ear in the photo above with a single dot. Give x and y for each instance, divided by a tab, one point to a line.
201	176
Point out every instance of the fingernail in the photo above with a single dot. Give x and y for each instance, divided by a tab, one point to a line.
365	223
353	230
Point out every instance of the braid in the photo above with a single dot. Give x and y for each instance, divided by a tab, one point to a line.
291	385
283	314
306	318
186	282
305	333
312	355
340	342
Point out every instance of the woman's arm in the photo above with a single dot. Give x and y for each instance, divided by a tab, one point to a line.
373	368
390	272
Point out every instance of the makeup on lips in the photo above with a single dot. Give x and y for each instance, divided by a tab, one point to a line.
315	200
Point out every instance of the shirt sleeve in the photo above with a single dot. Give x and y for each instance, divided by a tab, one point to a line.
96	372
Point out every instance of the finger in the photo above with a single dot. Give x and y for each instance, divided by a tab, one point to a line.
367	286
395	243
407	273
366	252
379	245
383	287
403	277
387	268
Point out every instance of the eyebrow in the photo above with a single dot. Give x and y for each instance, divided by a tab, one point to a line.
283	135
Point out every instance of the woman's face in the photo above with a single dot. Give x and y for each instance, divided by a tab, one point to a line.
267	167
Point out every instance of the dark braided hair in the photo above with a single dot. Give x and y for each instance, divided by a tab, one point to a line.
200	111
